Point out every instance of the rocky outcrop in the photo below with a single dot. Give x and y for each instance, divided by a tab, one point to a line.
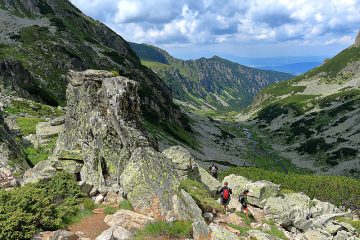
102	126
12	159
47	130
184	162
357	40
260	191
129	220
209	181
150	181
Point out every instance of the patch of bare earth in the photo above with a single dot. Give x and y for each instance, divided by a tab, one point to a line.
92	226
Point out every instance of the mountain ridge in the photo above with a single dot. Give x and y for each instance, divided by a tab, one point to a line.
207	84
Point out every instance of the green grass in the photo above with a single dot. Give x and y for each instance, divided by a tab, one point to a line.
242	229
125	204
173	230
108	210
32	108
201	195
338	190
247	220
354	223
274	231
27	125
36	155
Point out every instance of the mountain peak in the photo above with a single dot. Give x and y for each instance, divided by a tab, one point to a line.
357	40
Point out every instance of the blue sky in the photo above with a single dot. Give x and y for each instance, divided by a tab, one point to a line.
246	28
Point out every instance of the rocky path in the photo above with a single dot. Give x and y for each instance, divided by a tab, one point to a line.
91	226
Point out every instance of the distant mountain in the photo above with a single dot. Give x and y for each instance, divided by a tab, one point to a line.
293	68
208	84
314	118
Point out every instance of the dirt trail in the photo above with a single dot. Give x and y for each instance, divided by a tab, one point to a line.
91	226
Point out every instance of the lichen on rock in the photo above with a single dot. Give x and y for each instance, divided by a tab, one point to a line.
102	124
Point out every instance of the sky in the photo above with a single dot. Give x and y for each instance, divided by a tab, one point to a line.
191	29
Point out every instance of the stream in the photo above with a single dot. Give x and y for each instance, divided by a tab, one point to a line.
249	137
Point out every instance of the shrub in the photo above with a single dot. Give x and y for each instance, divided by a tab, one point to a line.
88	204
338	190
108	210
201	195
39	206
173	230
125	204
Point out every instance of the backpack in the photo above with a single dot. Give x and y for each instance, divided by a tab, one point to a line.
225	193
213	169
242	200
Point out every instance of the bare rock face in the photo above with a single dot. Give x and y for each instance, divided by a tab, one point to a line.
102	126
357	40
12	159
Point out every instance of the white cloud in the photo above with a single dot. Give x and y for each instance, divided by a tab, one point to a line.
213	21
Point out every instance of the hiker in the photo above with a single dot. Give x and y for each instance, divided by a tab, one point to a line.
213	170
225	193
244	202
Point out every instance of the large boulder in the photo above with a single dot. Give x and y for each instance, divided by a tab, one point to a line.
45	131
129	220
236	183
220	233
150	181
102	125
259	235
260	191
209	181
185	208
184	162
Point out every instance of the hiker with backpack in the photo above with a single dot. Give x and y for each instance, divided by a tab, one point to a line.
225	193
244	202
213	170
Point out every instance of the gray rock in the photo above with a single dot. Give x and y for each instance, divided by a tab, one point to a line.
12	159
357	40
129	220
42	171
106	235
102	125
150	181
99	199
63	235
314	235
210	183
185	207
262	190
57	121
208	216
259	235
45	131
93	192
201	230
236	183
121	233
220	233
85	187
184	162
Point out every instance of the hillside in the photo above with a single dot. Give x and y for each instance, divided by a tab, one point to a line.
41	40
207	85
313	118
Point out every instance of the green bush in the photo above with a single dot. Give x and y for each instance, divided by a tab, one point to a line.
125	204
40	206
338	190
201	195
173	230
88	204
108	210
